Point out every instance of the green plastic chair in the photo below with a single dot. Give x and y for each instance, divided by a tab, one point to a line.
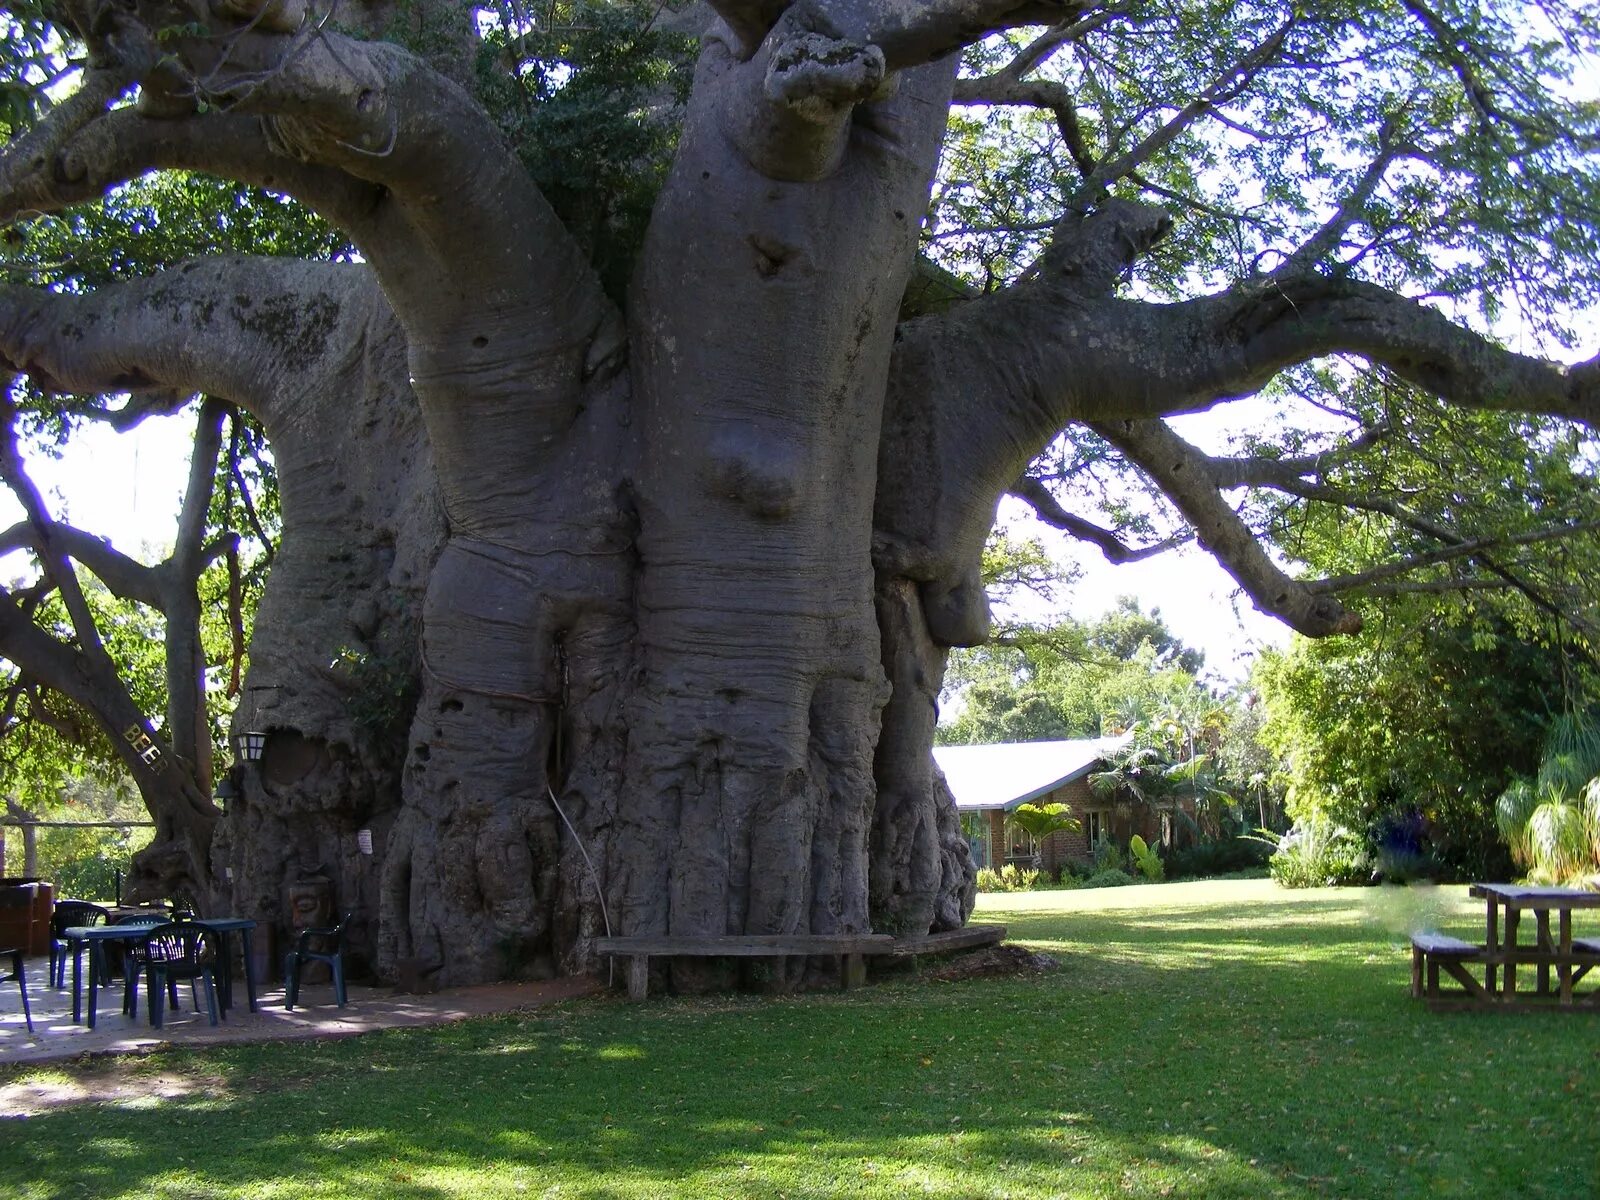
169	953
69	914
332	953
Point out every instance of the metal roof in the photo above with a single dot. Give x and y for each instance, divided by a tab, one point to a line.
1006	774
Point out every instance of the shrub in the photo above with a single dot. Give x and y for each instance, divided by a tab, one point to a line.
1108	878
1078	869
1206	860
1318	853
1146	859
1009	878
1108	856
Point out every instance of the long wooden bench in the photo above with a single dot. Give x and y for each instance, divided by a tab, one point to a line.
850	948
1432	951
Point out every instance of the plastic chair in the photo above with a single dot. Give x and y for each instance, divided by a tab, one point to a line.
67	914
17	898
171	952
332	954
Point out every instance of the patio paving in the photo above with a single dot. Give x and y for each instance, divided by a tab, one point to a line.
55	1037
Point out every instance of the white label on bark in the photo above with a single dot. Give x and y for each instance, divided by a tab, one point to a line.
364	840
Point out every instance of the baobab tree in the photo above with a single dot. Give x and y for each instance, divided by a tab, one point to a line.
618	573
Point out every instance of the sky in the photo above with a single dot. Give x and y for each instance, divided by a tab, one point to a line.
124	486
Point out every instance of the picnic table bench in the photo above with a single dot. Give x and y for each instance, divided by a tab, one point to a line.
1430	952
1559	960
851	949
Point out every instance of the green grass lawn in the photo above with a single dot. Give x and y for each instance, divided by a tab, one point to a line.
1219	1039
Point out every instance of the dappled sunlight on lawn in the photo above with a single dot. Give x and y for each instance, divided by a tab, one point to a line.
1237	1042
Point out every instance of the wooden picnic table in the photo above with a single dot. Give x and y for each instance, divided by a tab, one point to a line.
1504	951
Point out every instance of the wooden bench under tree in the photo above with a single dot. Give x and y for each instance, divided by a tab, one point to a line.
1431	952
851	949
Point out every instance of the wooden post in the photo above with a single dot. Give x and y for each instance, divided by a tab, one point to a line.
1494	943
1542	916
638	976
1513	918
852	970
1416	969
1564	969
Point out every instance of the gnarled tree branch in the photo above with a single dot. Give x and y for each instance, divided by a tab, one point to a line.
1182	473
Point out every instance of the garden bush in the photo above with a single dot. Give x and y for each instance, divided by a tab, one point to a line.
1009	878
1318	853
1108	878
1206	860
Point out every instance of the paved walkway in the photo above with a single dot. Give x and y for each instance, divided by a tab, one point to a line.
56	1037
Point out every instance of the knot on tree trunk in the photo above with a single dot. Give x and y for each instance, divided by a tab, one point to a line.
816	76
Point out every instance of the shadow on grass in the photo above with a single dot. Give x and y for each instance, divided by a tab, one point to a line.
1186	1051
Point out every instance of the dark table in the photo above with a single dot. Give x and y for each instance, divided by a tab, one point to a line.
96	937
1505	904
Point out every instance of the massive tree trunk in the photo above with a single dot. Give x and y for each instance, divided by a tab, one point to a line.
637	623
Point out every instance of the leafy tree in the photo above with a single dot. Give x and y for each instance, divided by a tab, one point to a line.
1426	717
1073	679
667	587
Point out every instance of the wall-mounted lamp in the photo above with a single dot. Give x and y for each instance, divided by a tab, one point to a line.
251	745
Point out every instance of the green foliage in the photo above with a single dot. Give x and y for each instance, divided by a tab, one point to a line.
1485	129
1009	878
1551	822
1040	821
83	861
1226	856
1428	714
593	105
1146	860
1110	877
1318	853
381	690
1070	679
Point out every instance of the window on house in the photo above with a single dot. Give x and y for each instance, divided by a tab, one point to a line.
1019	842
1094	827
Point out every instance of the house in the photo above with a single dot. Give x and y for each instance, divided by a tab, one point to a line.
990	781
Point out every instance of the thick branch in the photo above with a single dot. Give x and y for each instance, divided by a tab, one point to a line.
127	578
913	32
250	329
53	559
1260	329
31	153
185	659
1289	473
1182	473
126	143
